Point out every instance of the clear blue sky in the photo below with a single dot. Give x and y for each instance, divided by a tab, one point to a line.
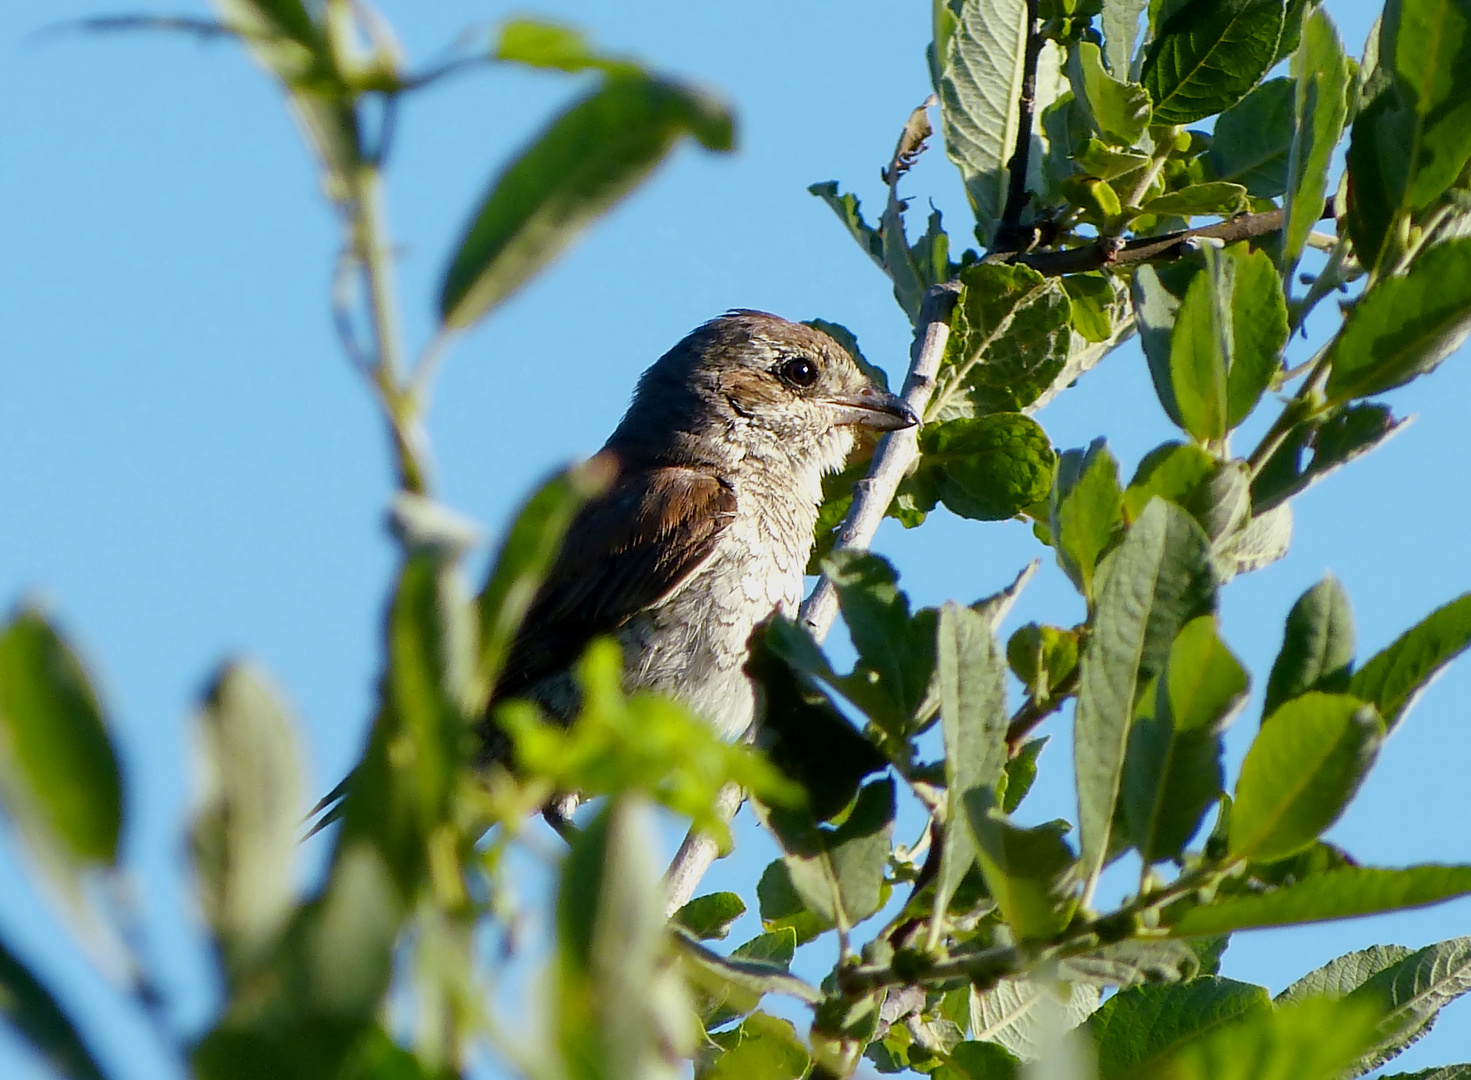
190	470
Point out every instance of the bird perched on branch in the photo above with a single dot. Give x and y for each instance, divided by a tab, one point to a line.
707	526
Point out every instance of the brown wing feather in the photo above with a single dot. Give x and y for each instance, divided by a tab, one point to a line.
624	552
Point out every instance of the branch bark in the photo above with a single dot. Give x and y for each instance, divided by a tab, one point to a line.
1173	245
1009	236
895	456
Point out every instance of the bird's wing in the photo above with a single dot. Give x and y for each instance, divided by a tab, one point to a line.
624	552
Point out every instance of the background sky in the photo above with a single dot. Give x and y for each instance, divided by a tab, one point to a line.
189	469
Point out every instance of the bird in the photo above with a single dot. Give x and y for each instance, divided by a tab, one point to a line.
707	525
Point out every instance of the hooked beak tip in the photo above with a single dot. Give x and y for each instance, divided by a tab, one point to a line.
874	408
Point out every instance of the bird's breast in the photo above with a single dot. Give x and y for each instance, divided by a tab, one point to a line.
693	645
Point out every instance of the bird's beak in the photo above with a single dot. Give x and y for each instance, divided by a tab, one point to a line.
873	408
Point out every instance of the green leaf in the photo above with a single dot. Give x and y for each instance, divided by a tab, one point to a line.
1321	75
981	74
580	166
1157	580
1345	434
1410	994
709	917
839	873
762	1048
1311	1040
1343	893
727	987
620	1009
1344	974
986	468
1173	772
59	780
896	650
1120	30
1200	350
1086	511
1021	771
1317	647
1026	1016
1444	1072
1404	326
1393	679
1228	336
1172	471
1207	54
30	1011
1042	656
1095	305
1010	338
978	1061
1253	139
1156	298
846	207
244	835
1138	1028
973	718
1304	766
1133	962
541	44
1028	871
1216	197
782	907
526	556
1118	110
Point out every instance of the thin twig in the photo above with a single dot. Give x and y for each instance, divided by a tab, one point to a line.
1173	245
896	453
1009	231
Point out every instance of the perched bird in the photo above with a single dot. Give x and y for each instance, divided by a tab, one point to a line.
708	524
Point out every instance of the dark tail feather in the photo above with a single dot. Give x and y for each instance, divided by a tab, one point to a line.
330	807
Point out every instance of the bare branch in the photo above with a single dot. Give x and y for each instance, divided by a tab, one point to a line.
1145	249
1009	232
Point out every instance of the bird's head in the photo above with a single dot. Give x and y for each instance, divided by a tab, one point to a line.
753	384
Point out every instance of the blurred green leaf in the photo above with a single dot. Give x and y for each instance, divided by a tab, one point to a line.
762	1048
973	718
1117	109
1393	679
1042	656
1173	772
244	835
1133	962
728	987
1157	580
709	917
782	907
620	1011
59	779
1010	338
839	873
1216	198
536	43
1317	646
1310	1040
986	468
1207	54
1028	871
577	168
978	1061
1027	1015
1322	80
1302	769
1086	511
1021	771
1156	295
1120	31
526	555
642	742
1138	1028
1341	893
980	83
1404	326
1252	140
32	1013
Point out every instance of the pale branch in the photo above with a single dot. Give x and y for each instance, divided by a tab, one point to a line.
892	460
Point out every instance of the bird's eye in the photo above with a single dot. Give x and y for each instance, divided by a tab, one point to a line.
798	371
